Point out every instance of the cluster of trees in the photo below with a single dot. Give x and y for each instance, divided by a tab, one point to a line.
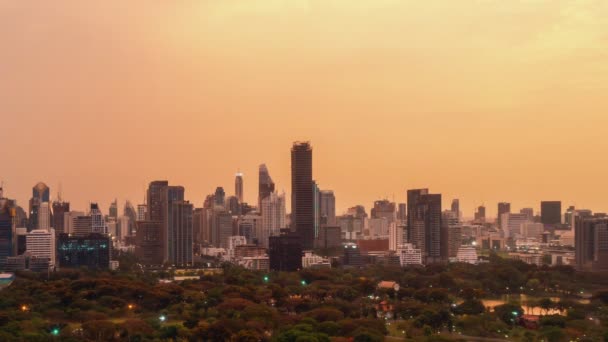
311	305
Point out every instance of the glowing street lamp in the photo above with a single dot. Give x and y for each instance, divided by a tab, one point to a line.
130	306
162	318
266	278
24	308
55	331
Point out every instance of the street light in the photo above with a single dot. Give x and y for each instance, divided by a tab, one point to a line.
162	318
55	331
24	308
266	278
130	306
303	282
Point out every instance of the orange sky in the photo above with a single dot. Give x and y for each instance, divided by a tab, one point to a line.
486	100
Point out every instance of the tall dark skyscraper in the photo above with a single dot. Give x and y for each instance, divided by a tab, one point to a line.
265	184
591	243
551	212
59	210
238	186
155	200
179	234
426	227
412	202
503	208
220	196
456	207
480	214
302	204
327	202
8	236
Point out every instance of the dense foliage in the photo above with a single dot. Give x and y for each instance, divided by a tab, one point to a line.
438	302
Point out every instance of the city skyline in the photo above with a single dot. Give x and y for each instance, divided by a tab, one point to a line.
483	101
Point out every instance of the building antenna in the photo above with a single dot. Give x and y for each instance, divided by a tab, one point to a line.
59	193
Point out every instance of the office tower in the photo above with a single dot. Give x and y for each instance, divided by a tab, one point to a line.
149	242
123	228
44	216
233	205
412	202
529	212
302	203
551	212
142	211
81	225
129	211
329	237
220	196
21	220
503	208
221	228
197	225
98	224
155	200
512	223
114	209
591	243
60	208
456	207
351	227
238	187
265	183
179	234
40	194
327	208
451	233
377	228
402	212
285	251
357	211
532	230
480	214
426	226
250	226
351	256
92	251
384	209
273	217
169	195
41	244
397	236
316	211
8	239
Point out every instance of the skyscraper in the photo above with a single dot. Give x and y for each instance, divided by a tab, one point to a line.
129	211
98	224
316	205
41	244
591	243
285	252
238	186
60	208
8	236
114	210
503	208
265	183
529	212
273	217
154	195
384	209
327	202
40	194
44	216
302	203
480	214
551	212
456	207
179	235
426	226
412	202
220	196
451	233
149	242
402	212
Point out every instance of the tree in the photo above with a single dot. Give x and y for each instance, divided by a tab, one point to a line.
98	330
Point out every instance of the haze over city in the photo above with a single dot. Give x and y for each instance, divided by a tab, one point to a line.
485	101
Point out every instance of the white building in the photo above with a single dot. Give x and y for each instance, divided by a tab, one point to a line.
378	227
41	244
532	229
44	216
273	217
98	224
312	260
396	235
408	255
233	242
141	212
467	254
259	263
511	223
123	227
68	221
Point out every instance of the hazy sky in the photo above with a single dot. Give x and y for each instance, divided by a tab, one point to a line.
485	100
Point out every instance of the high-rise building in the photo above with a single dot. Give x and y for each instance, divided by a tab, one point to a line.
456	207
512	223
220	196
149	242
426	227
503	208
238	187
316	205
273	217
329	237
40	194
351	226
155	200
221	228
8	238
591	243
129	211
285	252
480	214
179	234
451	233
551	212
80	225
233	205
60	208
98	224
114	210
265	183
302	202
44	216
402	212
351	256
92	251
384	209
41	244
250	226
141	212
327	208
529	212
397	236
412	202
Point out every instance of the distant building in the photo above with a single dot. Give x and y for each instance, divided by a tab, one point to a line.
329	237
179	233
44	216
141	212
384	209
98	224
233	242
60	208
311	260
92	251
425	234
351	226
396	236
220	196
352	256
81	225
8	238
149	242
221	228
285	252
238	187
272	208
451	233
591	243
503	208
456	207
408	255
551	212
529	212
532	230
511	223
467	254
480	214
40	194
41	244
327	201
302	202
402	212
265	185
